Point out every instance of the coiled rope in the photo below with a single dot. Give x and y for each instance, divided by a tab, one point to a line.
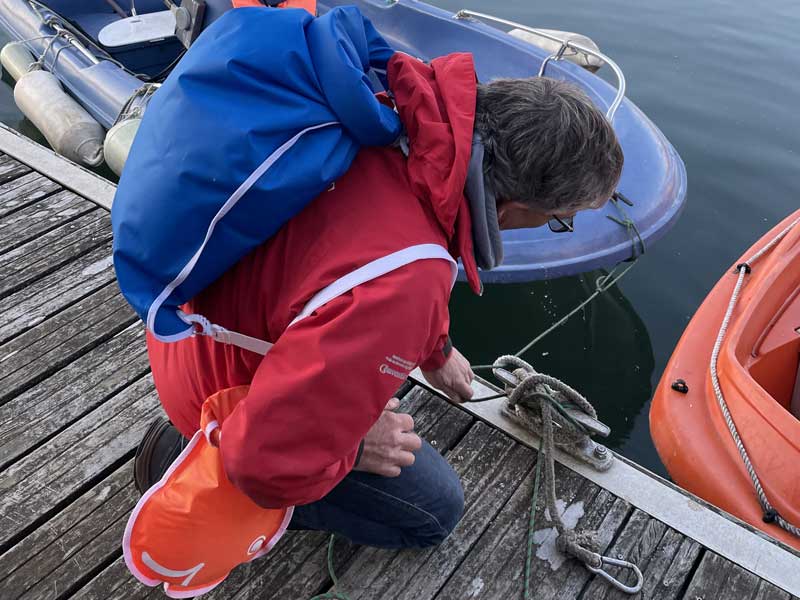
771	515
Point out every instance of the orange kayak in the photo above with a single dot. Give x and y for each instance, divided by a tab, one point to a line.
759	379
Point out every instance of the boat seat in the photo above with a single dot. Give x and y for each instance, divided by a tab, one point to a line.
147	27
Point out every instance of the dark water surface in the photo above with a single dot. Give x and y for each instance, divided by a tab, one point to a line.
722	81
721	78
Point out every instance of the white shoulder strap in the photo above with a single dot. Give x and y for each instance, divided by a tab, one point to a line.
368	272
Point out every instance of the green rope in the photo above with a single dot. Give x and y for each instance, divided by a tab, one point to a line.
628	224
602	284
332	595
531	522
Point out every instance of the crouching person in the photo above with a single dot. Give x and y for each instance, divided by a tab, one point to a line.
317	428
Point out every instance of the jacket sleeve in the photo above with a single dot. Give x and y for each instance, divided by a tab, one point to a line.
440	354
326	381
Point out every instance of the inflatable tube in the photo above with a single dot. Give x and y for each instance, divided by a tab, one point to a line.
69	129
118	143
16	59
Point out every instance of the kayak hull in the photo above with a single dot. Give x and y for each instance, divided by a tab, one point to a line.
757	366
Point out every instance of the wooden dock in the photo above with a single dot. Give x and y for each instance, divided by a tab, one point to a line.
76	397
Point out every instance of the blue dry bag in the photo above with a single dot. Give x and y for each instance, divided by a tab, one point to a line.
266	109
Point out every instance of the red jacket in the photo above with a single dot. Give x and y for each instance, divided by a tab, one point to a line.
313	398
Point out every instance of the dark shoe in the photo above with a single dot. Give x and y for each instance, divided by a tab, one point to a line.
159	448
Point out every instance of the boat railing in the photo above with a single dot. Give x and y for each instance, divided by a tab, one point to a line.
559	54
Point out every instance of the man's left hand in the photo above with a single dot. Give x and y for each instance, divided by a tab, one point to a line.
454	378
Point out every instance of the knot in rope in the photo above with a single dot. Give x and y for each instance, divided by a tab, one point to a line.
537	397
630	226
547	406
583	545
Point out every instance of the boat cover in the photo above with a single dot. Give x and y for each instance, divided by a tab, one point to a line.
263	113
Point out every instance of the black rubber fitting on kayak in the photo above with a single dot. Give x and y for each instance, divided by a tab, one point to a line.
770	516
747	268
679	385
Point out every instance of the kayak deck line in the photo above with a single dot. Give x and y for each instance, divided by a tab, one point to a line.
77	396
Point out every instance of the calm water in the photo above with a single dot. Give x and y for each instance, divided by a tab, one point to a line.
721	78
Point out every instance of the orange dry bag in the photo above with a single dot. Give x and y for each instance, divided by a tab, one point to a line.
193	527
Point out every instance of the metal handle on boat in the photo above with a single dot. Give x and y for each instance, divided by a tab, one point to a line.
565	43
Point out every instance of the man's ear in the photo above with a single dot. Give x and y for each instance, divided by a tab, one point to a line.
506	210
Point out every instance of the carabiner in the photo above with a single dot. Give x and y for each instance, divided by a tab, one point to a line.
607	560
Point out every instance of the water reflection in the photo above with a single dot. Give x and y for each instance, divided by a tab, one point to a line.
604	352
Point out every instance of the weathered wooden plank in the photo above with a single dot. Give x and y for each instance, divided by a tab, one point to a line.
32	417
434	570
11	168
109	580
56	537
416	398
20	193
668	568
70	175
490	467
767	591
41	299
37	219
636	543
98	550
504	543
435	419
51	476
49	252
717	577
296	568
495	567
607	523
54	343
429	409
448	430
131	589
661	499
89	543
295	549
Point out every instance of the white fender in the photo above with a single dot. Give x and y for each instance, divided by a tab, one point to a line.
69	129
118	143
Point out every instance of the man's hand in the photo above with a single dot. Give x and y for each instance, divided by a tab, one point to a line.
454	378
390	444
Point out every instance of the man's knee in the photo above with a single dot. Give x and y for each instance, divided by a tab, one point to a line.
442	512
449	513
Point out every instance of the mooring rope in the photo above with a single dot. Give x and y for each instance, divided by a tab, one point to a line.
540	402
551	396
771	514
601	284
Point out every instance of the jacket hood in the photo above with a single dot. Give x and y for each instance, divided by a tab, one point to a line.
436	103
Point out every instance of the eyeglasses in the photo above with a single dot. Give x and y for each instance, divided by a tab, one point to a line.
559	225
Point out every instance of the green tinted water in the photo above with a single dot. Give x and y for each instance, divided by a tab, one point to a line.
721	79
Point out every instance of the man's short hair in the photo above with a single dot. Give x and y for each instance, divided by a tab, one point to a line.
546	144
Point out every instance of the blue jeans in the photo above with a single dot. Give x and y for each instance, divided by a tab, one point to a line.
415	510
